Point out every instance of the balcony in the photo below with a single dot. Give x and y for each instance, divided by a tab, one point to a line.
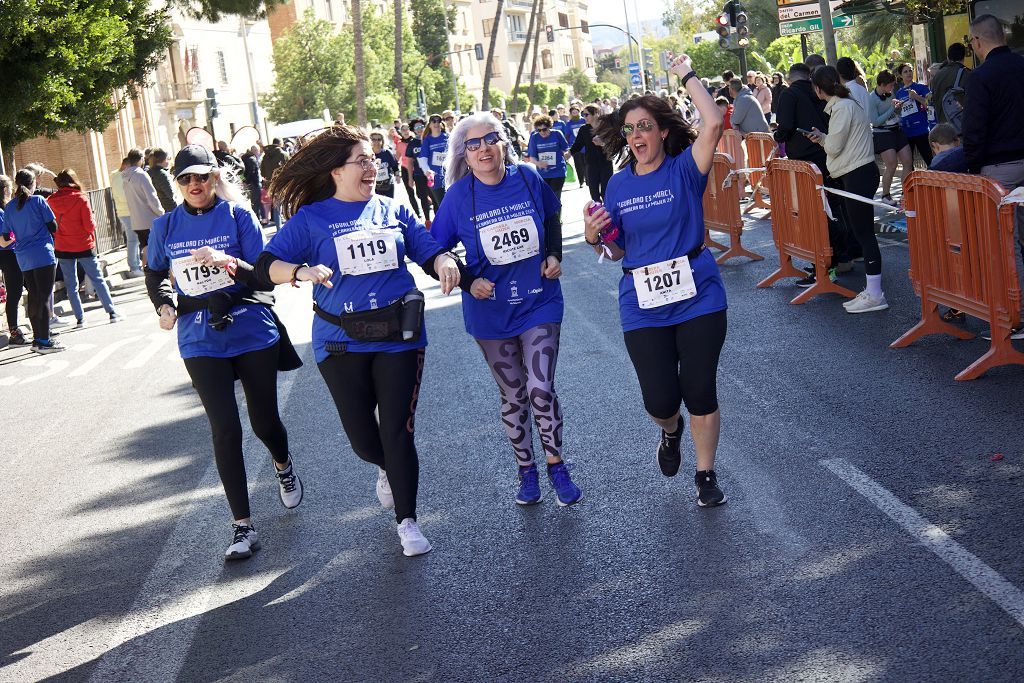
517	36
177	92
528	4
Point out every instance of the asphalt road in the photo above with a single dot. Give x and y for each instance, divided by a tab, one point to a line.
869	534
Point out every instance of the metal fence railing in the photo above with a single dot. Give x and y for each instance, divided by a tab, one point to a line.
109	235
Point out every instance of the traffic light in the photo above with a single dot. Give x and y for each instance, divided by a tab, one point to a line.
722	29
211	103
742	29
731	8
549	31
618	63
648	59
666	59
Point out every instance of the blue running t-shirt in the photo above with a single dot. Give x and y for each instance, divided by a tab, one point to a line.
549	150
33	246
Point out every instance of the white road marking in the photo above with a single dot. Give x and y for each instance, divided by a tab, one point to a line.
105	353
7	381
156	340
52	367
983	577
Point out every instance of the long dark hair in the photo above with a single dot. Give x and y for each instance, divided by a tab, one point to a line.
306	177
827	80
680	134
24	179
6	187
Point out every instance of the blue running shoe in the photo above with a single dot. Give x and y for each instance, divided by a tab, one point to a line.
568	492
529	486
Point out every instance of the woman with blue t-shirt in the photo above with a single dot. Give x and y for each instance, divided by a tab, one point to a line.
671	297
548	150
9	268
912	101
431	157
227	329
414	143
29	223
368	332
508	220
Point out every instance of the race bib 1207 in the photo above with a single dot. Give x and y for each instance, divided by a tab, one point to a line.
437	159
366	251
510	240
195	279
664	283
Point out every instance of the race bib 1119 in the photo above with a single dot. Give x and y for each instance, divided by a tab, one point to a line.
366	251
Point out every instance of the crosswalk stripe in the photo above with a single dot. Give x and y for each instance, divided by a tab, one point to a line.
105	353
155	342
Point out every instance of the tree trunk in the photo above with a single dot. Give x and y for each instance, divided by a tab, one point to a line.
357	37
536	45
526	50
485	98
399	86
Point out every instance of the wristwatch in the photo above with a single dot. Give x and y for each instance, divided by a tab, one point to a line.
692	74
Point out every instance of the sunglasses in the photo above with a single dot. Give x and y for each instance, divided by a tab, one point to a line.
418	127
542	129
435	119
492	138
186	178
449	118
644	125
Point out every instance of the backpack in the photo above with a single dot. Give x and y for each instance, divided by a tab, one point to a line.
952	108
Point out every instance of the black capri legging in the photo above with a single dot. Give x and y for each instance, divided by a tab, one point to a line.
214	381
389	383
39	283
423	192
920	143
15	283
678	363
859	217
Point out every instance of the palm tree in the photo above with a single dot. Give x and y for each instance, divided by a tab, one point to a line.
485	98
876	29
399	88
536	43
357	37
526	50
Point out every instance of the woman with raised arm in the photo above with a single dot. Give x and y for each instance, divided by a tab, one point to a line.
671	297
368	334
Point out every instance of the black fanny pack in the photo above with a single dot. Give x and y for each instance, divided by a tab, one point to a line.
400	321
692	254
219	304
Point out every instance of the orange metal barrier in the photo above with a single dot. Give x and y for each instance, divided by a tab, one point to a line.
962	256
760	148
731	143
800	226
722	211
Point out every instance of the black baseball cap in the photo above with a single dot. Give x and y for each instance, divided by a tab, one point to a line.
194	159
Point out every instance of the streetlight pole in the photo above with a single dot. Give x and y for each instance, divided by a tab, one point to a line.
252	78
629	34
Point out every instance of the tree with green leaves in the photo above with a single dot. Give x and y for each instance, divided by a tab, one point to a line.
431	24
578	79
485	97
214	10
62	60
398	82
359	60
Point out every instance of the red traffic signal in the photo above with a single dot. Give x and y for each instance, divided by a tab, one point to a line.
722	20
618	63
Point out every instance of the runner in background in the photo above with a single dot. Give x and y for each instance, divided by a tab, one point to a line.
431	156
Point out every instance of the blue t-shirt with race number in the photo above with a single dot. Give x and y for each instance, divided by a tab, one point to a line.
33	246
373	239
495	223
230	228
913	116
549	150
661	217
433	150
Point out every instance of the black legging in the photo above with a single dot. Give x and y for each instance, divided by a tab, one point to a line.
437	193
423	192
556	185
407	181
14	281
859	217
678	363
214	381
598	176
39	283
390	384
580	161
386	190
920	143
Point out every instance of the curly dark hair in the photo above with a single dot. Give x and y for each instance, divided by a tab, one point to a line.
680	133
306	177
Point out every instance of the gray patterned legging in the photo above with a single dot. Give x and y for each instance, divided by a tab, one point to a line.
524	368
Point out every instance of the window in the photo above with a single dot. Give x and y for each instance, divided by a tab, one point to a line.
590	62
585	26
563	20
329	6
495	67
222	66
515	23
545	58
567	58
488	23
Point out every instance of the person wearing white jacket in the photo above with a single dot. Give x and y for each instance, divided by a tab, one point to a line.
143	201
850	159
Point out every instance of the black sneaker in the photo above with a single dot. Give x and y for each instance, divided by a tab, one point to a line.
51	346
708	493
18	339
668	451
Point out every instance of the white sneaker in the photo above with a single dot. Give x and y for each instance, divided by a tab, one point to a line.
56	322
865	303
847	304
244	542
132	274
413	541
289	486
384	495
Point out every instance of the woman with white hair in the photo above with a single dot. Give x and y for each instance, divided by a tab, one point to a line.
507	218
227	330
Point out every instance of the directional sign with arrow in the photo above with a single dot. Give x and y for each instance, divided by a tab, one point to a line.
792	28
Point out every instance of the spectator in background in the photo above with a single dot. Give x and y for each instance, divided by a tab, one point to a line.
254	181
946	77
747	116
912	99
751	81
890	142
948	154
813	61
993	136
229	161
274	158
726	109
9	268
158	164
778	87
143	202
764	96
852	76
124	216
75	244
727	77
40	171
587	144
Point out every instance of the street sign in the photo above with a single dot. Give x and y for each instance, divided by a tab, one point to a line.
807	10
636	80
634	67
792	28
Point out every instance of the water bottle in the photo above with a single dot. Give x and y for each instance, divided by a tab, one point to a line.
430	180
609	232
412	315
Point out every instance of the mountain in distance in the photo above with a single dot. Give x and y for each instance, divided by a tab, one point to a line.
603	37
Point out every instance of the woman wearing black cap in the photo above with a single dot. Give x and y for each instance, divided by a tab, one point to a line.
228	329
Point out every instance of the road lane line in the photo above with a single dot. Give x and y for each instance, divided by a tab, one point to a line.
156	340
51	368
105	353
983	577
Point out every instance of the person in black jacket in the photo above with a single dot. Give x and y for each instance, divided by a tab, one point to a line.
799	107
254	180
597	165
162	179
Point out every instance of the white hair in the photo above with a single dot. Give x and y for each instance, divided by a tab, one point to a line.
455	166
227	187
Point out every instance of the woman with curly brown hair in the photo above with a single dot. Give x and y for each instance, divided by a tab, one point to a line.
671	297
368	336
